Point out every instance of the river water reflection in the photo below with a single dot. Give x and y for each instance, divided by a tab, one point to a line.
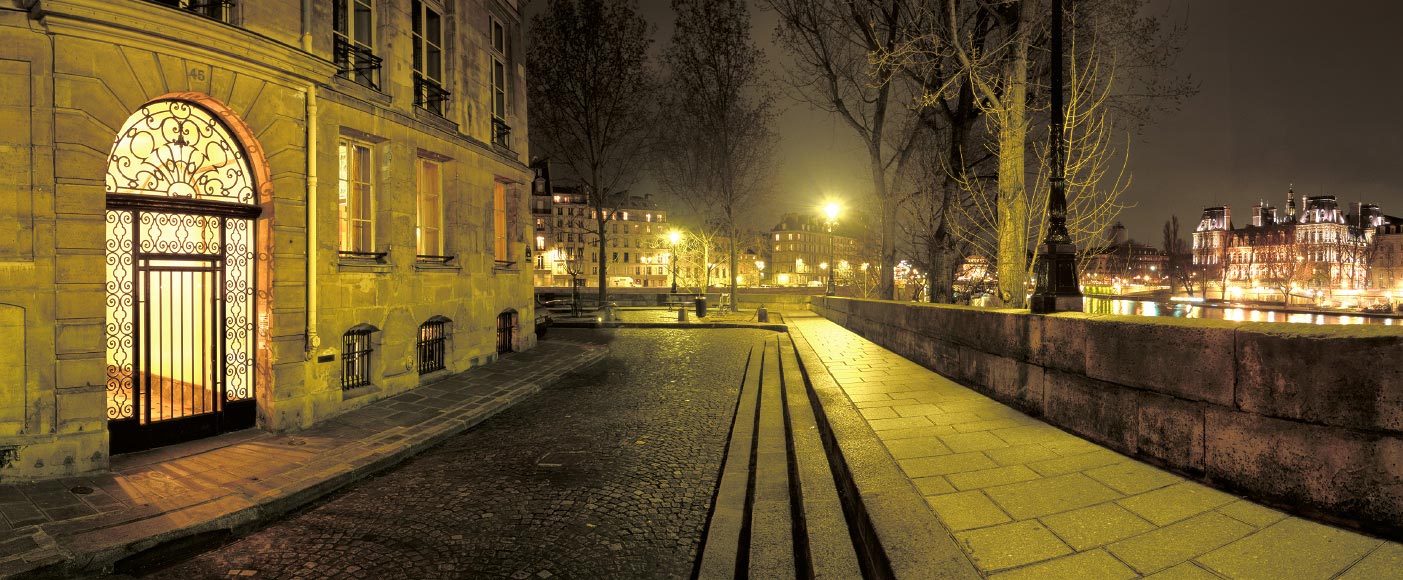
1096	305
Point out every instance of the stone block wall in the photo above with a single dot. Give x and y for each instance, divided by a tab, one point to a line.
75	70
1301	416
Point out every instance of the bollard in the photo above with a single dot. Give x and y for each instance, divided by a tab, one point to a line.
762	315
682	314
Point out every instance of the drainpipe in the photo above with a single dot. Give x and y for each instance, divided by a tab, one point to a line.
306	25
313	341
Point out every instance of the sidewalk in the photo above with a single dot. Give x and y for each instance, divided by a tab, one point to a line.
1026	500
208	489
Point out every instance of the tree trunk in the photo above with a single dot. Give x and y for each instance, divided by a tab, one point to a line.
1013	194
941	259
603	265
732	273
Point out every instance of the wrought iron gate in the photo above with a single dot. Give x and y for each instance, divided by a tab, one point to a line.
180	320
506	331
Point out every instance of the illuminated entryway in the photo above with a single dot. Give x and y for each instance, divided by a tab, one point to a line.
180	279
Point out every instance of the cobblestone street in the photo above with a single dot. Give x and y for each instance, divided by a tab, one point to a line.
606	474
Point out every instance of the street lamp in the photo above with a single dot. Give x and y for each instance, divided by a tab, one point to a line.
1056	288
674	236
830	210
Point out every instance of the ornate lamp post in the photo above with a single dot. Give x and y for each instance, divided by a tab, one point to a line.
674	236
1056	287
831	211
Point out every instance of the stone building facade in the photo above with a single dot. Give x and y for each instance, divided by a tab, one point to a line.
1315	252
564	248
803	247
233	214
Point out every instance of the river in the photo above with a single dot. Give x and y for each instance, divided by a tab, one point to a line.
1100	305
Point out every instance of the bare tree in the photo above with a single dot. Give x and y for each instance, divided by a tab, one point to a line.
716	139
1178	261
837	47
1118	57
591	89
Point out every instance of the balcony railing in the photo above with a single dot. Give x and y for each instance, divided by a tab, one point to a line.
357	63
429	94
219	10
501	133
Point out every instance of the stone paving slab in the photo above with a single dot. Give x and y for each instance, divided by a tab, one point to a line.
230	483
1026	500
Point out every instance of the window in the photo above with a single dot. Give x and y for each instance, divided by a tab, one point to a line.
433	335
502	217
353	35
428	230
214	9
355	198
427	32
355	356
501	131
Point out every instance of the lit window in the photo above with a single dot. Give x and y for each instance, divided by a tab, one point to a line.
428	232
540	242
427	32
355	197
500	222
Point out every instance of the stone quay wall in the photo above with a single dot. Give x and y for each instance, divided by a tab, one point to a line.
1305	417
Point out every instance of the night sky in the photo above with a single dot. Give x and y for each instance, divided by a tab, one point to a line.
1290	92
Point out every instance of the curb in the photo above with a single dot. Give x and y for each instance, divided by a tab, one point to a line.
888	506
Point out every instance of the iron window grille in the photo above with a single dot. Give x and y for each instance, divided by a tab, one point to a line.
219	10
355	356
501	133
357	63
430	95
433	343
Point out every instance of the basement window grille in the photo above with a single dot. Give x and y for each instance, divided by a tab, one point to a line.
355	356
433	343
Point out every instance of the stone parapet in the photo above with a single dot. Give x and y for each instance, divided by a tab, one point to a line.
1306	417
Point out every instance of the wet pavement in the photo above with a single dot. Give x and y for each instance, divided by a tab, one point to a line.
608	473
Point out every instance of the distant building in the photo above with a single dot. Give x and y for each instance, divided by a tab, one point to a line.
801	250
564	247
1312	252
1124	260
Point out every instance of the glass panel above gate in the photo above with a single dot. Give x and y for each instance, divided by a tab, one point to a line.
177	149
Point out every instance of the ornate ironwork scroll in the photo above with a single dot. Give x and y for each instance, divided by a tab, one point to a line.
238	316
120	322
177	149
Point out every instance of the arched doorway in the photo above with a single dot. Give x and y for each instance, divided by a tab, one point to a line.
506	331
180	248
